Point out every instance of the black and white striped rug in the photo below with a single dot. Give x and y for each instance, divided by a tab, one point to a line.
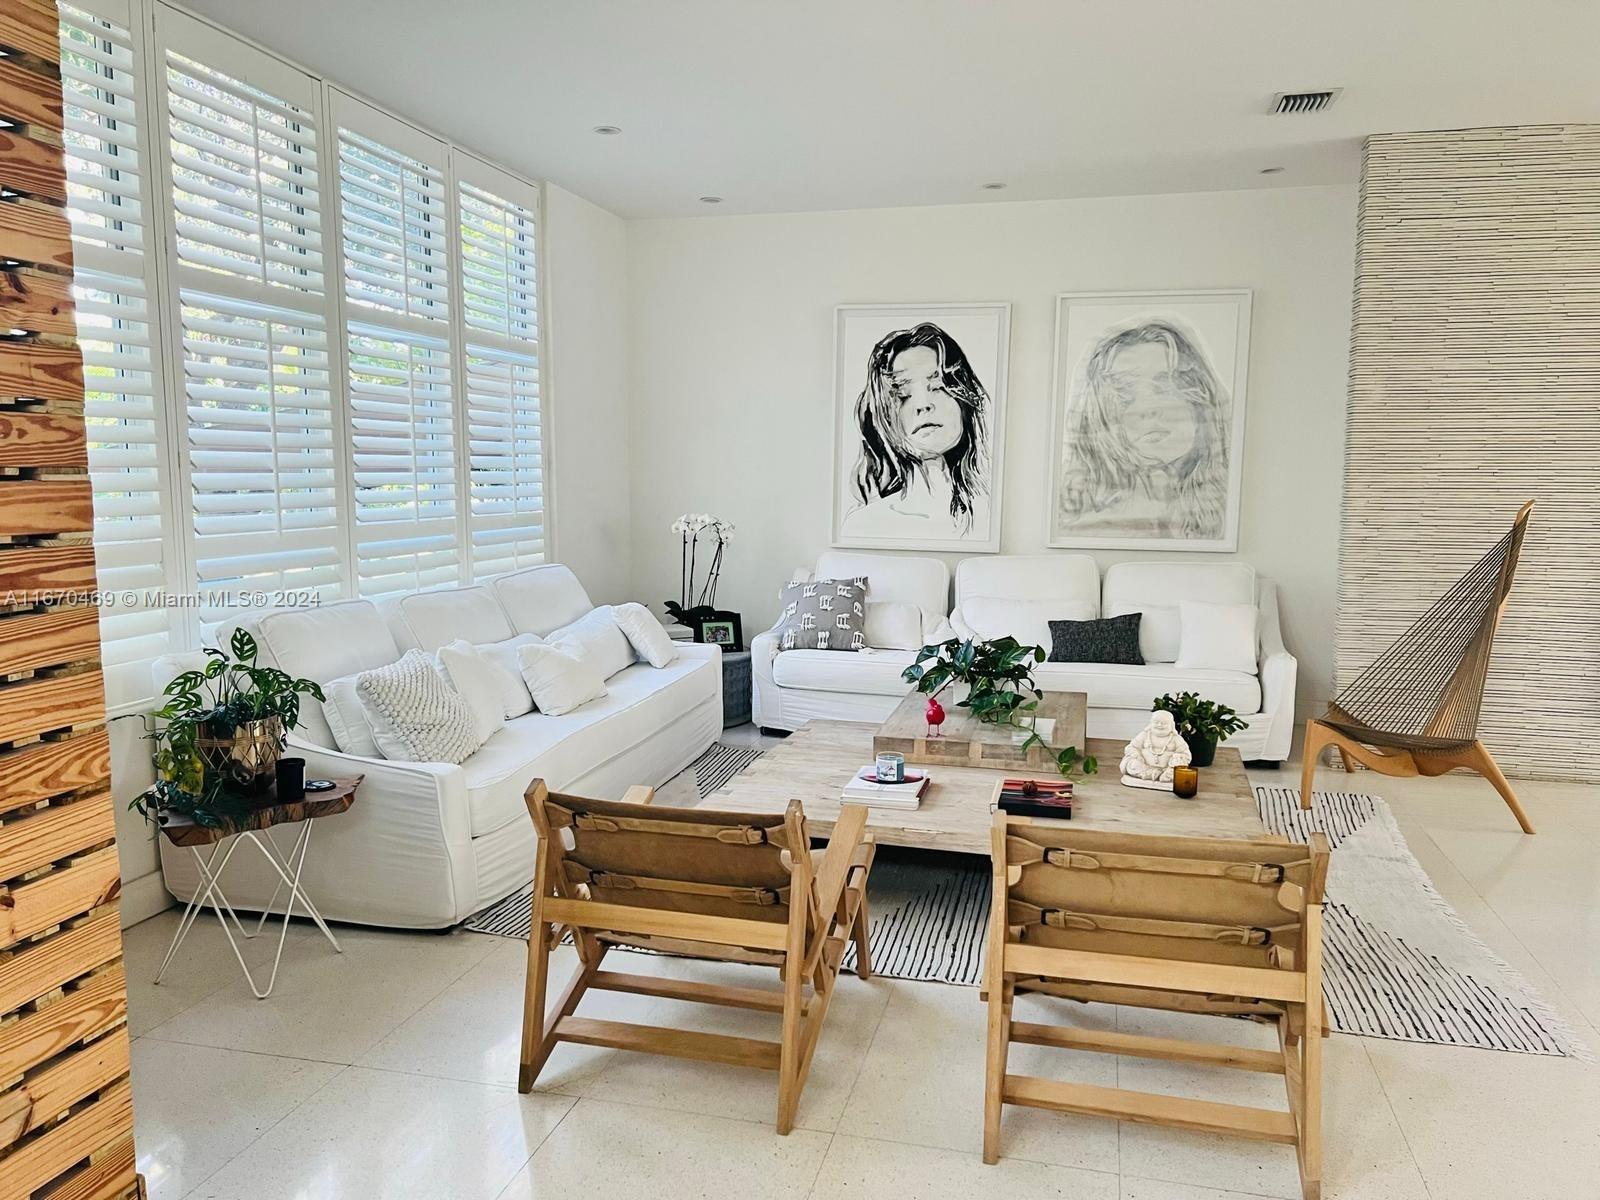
1400	962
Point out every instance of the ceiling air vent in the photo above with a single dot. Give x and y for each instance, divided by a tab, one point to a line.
1287	103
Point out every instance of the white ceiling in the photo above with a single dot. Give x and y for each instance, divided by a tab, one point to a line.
782	105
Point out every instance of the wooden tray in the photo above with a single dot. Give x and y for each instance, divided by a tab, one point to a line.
966	742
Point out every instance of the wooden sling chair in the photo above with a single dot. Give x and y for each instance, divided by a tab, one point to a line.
1198	925
1414	711
698	883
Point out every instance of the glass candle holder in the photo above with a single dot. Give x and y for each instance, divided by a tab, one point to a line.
1185	782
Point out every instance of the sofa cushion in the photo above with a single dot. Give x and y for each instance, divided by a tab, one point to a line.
1028	621
1104	640
561	678
341	707
324	643
1155	588
597	637
1067	577
893	626
1111	685
561	750
897	578
514	694
481	683
416	716
869	673
1217	636
823	614
645	633
540	599
428	620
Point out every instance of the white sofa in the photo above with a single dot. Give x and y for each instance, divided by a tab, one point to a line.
1020	595
796	686
428	844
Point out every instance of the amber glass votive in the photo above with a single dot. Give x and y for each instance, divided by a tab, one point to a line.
1185	782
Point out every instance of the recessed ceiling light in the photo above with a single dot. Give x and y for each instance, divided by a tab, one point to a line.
1272	170
710	199
608	130
994	187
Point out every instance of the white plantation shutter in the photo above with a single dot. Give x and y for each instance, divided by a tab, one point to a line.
505	444
241	130
108	187
396	240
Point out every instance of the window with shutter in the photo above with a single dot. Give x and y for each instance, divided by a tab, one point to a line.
395	235
241	130
108	188
500	290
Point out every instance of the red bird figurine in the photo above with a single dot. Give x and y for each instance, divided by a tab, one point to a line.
935	715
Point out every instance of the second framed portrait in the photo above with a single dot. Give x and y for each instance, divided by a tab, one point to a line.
1148	438
919	425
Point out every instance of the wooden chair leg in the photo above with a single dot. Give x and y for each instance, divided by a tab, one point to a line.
1349	762
791	1055
1317	737
535	1046
994	1074
1482	762
859	936
1310	1109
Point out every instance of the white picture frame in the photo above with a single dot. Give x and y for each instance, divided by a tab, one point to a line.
939	487
1123	474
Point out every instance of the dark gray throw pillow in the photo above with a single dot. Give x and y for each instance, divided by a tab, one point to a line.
1108	640
824	614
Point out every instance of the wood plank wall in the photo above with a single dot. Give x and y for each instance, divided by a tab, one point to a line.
1474	386
66	1113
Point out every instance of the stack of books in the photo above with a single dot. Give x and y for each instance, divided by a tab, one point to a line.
1036	798
863	788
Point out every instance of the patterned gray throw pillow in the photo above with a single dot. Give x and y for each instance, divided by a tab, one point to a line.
824	614
1109	640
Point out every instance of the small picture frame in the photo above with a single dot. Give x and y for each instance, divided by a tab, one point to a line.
724	629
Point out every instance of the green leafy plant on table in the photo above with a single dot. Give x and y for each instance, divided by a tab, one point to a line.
1000	687
1201	723
217	739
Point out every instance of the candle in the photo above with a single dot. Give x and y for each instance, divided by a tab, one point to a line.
1185	782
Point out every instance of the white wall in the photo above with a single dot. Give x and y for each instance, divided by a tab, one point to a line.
730	350
586	254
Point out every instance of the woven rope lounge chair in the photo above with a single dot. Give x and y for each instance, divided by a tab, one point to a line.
698	883
1414	710
1222	927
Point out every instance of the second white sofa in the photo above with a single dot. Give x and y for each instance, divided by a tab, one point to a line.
428	844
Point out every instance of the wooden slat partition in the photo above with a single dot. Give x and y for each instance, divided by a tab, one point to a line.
66	1115
1474	369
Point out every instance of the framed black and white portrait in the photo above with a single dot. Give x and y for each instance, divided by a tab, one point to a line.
1148	437
920	397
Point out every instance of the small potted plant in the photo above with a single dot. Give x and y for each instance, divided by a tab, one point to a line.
1000	687
218	738
1201	723
691	608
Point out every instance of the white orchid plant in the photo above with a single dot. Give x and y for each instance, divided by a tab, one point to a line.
690	528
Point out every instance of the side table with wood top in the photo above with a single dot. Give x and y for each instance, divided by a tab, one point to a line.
255	827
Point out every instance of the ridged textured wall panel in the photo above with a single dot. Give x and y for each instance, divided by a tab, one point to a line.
1474	386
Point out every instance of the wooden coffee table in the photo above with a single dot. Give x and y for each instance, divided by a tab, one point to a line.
813	764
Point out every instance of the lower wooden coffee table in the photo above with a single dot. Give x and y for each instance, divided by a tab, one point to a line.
814	763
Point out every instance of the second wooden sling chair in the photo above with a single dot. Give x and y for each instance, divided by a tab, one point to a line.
1414	709
700	883
1222	927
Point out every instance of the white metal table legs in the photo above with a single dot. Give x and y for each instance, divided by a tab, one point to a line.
210	891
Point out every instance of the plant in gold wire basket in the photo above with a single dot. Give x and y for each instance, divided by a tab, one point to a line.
217	739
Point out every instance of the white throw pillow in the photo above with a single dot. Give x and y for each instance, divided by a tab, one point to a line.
514	696
415	715
1028	621
893	626
352	733
478	681
598	637
645	634
1216	637
559	678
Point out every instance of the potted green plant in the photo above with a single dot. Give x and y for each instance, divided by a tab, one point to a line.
218	738
1000	686
1201	723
